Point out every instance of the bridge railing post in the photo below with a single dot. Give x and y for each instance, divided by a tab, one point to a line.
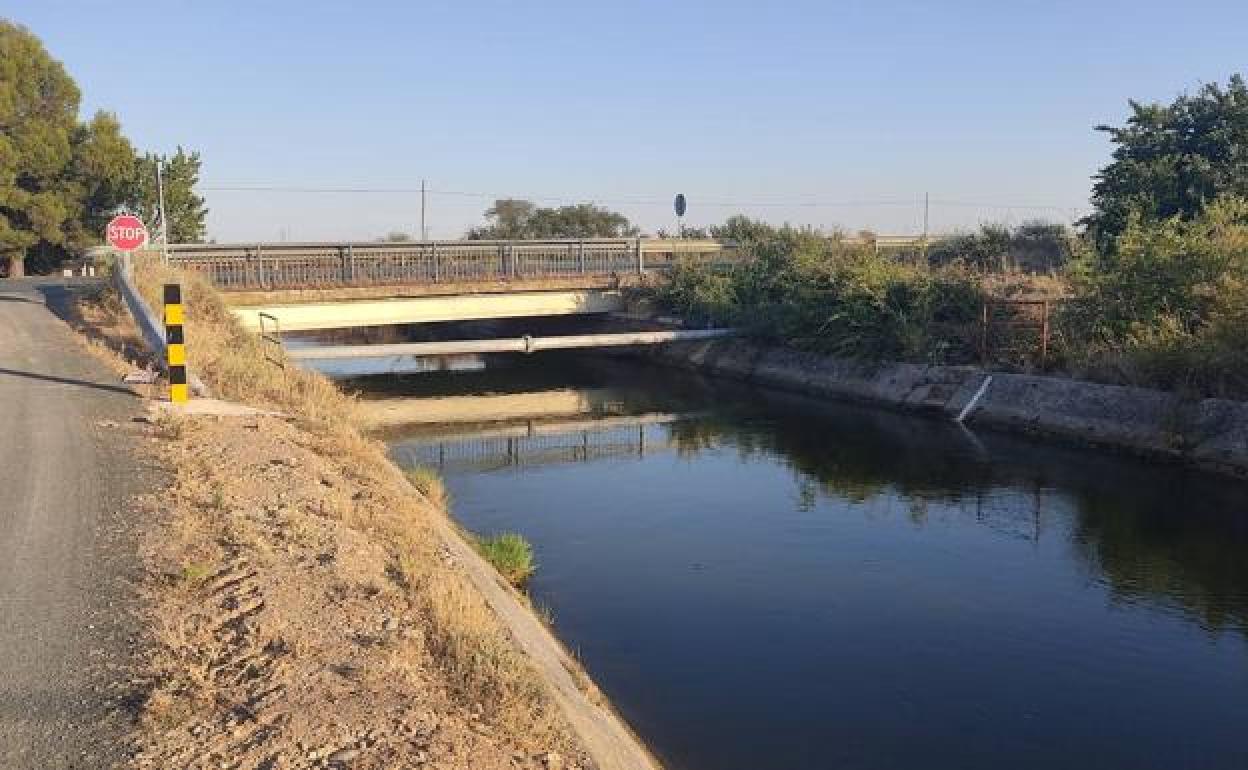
261	275
434	258
580	256
641	259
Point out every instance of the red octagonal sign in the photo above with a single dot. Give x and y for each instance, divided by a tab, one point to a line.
126	232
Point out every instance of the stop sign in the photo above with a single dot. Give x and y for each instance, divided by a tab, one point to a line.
126	232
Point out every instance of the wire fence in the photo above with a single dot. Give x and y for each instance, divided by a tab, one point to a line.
497	453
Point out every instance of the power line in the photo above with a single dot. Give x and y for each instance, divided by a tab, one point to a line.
646	201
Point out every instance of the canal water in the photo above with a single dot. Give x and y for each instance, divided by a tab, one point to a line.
759	580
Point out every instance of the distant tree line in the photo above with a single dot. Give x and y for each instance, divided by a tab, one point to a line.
511	218
62	178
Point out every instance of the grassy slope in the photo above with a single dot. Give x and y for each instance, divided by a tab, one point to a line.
471	647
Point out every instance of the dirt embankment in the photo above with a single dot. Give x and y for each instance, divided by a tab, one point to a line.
302	609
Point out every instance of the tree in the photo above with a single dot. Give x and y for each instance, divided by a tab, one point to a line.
508	219
38	118
60	180
100	178
511	219
739	228
179	176
1172	159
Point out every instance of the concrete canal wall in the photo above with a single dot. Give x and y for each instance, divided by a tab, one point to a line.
1209	433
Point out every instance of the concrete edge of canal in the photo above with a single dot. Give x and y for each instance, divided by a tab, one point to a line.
603	733
1210	433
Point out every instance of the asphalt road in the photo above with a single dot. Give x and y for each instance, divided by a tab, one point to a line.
68	465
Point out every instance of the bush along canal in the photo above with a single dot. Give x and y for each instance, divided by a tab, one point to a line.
759	579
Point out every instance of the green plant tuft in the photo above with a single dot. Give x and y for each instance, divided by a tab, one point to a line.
510	554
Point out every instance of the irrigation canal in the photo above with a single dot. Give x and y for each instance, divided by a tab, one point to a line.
759	580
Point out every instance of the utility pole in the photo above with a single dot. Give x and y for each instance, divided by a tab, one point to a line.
164	218
926	203
424	232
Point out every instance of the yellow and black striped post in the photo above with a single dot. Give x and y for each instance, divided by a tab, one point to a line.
175	344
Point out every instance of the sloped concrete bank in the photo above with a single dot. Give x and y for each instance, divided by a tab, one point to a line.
1208	433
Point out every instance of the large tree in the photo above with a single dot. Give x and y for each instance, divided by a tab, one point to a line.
59	179
511	219
1171	160
179	176
38	118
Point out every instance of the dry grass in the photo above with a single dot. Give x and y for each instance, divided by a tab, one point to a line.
232	362
360	498
429	483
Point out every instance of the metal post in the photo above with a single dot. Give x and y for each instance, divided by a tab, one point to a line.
436	269
424	232
641	259
344	271
351	262
260	272
175	344
926	204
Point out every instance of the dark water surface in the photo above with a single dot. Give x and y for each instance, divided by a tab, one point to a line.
760	580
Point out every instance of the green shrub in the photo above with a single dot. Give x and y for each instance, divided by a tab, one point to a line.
852	302
510	554
1164	305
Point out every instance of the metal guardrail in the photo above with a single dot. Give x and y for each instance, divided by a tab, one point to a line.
266	266
153	331
324	265
271	339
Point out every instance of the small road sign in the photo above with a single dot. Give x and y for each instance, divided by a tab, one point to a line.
125	232
680	204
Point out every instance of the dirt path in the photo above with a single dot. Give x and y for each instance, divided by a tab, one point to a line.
67	466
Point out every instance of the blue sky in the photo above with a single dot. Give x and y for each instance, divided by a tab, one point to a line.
825	113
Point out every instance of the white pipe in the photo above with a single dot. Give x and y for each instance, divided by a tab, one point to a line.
524	344
970	405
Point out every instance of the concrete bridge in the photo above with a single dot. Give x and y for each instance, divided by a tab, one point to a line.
319	286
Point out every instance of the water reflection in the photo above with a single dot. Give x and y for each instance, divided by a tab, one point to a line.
764	580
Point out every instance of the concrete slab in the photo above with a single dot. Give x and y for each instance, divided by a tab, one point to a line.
200	407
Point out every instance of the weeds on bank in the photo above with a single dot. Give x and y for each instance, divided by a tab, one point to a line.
510	554
195	573
169	426
428	483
